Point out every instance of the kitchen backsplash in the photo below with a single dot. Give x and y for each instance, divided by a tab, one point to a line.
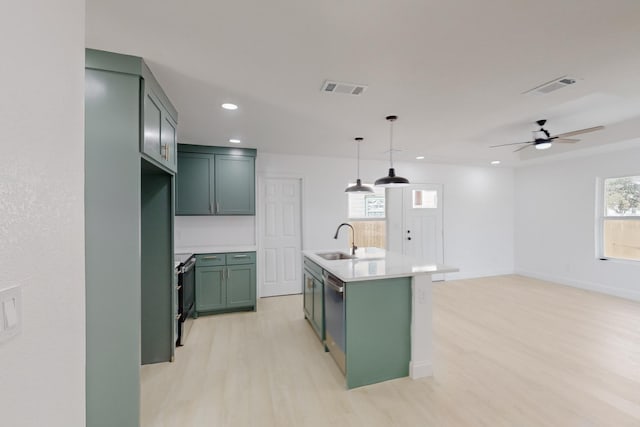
214	231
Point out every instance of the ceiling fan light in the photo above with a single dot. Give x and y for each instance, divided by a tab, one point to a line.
543	145
392	181
358	188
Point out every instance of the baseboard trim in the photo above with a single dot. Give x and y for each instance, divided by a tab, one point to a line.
420	369
581	284
476	275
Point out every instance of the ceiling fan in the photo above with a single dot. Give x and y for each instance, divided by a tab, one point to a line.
542	139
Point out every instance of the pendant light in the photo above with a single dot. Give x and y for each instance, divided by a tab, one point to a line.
358	188
391	180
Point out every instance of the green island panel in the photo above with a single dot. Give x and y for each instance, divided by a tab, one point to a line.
378	330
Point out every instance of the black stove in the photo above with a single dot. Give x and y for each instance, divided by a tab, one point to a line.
186	297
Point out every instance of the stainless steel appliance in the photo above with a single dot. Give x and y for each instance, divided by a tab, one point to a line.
186	298
334	298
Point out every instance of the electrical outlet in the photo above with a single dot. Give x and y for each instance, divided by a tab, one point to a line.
10	312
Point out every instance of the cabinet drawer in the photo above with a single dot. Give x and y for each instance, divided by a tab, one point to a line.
207	260
241	258
313	268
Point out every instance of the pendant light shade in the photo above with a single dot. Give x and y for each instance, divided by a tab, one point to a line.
391	180
358	188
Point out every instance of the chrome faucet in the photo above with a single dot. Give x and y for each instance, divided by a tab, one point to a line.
353	236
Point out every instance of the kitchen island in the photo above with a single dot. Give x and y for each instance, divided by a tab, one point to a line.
375	316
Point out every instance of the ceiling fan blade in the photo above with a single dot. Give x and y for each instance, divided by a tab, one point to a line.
511	143
522	148
566	140
581	131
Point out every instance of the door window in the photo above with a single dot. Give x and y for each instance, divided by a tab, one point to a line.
424	199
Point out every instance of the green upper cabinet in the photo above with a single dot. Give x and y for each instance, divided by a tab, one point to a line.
235	185
194	184
159	137
158	117
215	181
152	124
169	141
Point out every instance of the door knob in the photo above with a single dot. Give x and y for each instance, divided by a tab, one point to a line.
408	238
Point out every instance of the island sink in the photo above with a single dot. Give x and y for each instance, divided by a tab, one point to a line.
373	312
332	256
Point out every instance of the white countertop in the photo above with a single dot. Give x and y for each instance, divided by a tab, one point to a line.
375	263
190	250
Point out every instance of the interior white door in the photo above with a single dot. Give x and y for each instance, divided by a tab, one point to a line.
422	224
280	236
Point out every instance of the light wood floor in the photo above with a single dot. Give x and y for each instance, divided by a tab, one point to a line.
510	351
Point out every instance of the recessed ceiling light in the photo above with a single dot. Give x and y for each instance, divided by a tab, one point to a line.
229	106
235	141
495	162
419	157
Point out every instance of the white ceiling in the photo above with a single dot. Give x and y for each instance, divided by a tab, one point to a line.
453	71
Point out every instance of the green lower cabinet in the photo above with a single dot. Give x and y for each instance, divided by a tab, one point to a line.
313	296
241	285
318	307
307	294
377	330
227	286
210	289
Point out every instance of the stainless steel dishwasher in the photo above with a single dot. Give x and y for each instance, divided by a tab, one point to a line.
334	308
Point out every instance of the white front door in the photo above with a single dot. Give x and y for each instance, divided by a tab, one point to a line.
280	236
422	223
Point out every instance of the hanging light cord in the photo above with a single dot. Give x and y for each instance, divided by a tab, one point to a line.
391	143
358	160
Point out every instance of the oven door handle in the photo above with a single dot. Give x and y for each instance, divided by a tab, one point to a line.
189	265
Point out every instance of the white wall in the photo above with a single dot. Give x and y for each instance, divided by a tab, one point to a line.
41	211
478	206
195	231
556	223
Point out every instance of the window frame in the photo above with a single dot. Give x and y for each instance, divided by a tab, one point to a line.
372	218
601	217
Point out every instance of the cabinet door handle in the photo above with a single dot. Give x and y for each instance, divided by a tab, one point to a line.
217	206
228	274
240	256
211	207
210	257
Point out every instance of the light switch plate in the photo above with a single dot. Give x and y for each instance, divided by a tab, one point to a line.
10	312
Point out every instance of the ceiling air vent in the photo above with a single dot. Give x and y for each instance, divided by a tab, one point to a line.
551	86
342	87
